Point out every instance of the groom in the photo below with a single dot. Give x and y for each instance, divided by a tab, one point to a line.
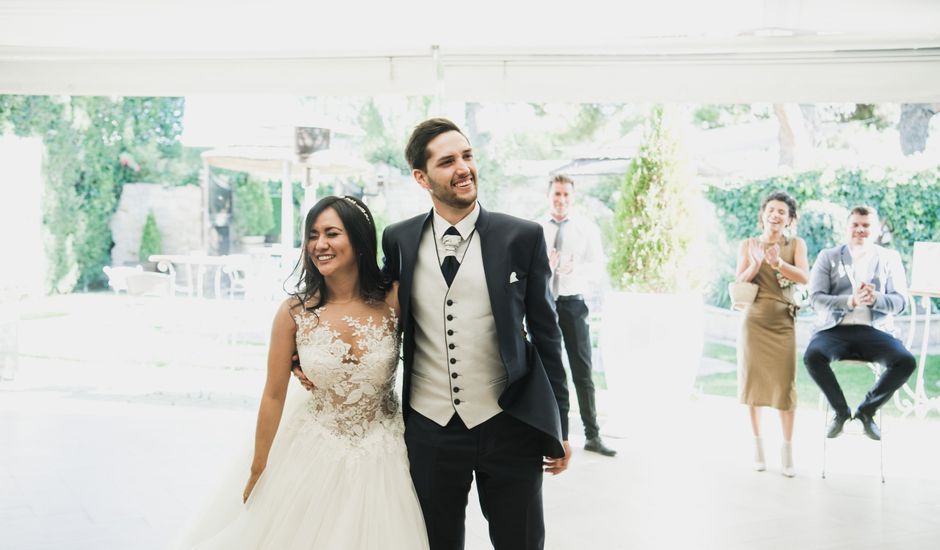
479	398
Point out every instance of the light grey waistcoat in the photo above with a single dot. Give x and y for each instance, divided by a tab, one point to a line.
459	372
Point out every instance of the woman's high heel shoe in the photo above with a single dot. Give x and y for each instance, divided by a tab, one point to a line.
786	460
759	463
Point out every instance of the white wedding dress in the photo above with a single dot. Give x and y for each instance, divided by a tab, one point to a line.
337	475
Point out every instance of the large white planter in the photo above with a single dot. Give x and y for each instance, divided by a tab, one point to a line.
651	346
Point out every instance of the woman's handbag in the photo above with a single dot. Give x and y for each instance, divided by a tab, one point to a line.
742	294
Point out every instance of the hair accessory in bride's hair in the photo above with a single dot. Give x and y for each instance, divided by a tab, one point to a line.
355	203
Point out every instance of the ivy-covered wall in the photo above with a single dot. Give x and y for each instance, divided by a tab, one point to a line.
908	205
93	146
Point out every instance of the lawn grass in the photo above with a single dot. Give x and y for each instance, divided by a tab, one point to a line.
854	379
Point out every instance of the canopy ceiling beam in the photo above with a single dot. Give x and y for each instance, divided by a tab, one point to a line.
885	71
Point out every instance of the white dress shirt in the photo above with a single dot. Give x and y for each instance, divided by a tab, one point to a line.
863	270
581	246
465	227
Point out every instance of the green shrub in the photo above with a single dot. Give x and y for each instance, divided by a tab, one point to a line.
821	224
93	146
908	205
252	207
150	241
654	232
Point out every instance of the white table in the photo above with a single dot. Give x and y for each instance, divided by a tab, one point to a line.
917	401
196	266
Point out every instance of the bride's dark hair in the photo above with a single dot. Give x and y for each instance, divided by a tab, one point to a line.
311	291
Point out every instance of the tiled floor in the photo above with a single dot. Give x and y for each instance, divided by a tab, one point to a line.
113	474
98	451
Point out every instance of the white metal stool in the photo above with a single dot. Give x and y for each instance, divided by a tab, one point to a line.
876	369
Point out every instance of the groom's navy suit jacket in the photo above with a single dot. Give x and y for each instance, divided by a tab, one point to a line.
536	389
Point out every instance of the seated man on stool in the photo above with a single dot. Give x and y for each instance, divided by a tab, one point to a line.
857	288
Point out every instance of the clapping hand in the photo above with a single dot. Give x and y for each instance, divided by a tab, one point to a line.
755	252
864	295
553	257
772	255
566	265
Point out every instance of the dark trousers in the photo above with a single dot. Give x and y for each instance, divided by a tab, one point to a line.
504	455
860	343
572	319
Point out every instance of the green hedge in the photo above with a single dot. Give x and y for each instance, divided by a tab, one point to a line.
94	145
252	207
908	205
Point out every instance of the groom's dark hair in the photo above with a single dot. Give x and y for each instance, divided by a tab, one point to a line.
416	152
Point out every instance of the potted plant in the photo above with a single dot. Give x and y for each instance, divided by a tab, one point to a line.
652	331
253	212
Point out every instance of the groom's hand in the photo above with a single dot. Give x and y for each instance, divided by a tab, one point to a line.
556	466
295	369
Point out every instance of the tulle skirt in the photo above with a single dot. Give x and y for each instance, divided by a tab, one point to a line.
321	491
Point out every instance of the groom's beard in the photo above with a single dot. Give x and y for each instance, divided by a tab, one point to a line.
444	192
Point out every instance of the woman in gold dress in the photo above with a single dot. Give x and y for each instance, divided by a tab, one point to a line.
767	343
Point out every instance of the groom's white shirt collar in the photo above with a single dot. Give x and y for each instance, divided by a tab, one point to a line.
464	226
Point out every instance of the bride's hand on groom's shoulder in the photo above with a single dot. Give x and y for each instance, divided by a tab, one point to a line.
556	466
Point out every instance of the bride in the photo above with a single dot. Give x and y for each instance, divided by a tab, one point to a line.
334	473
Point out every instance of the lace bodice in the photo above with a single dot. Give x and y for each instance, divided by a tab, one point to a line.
352	362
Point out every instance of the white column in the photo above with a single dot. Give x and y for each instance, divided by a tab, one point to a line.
21	239
206	219
288	231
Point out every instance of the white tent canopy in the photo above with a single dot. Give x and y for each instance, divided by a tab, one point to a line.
721	51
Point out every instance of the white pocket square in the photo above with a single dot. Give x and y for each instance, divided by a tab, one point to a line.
513	278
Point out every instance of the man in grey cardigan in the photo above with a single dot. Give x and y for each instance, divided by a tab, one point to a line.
857	288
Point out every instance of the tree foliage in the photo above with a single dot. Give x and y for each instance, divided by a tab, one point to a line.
252	208
381	144
93	146
654	228
150	241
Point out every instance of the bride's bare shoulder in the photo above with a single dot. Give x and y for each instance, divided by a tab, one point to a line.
294	305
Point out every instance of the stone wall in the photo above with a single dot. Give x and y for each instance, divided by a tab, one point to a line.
178	211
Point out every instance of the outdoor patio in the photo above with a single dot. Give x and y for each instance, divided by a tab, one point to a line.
124	413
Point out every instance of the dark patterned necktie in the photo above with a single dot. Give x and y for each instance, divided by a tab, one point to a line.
450	265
